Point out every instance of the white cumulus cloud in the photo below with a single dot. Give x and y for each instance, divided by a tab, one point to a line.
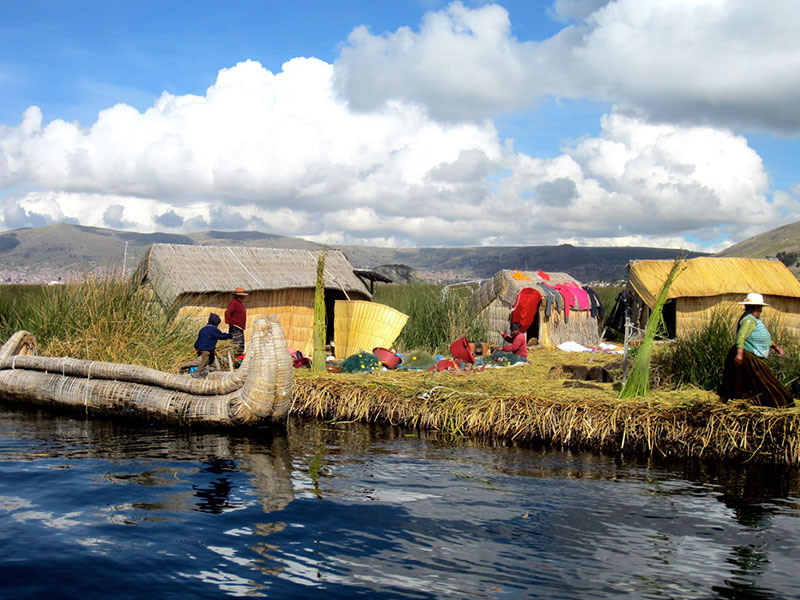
730	62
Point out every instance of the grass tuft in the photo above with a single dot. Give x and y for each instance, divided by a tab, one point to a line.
436	319
98	319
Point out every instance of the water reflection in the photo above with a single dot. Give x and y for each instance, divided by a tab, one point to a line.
364	510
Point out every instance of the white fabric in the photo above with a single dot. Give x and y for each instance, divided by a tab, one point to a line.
573	347
576	347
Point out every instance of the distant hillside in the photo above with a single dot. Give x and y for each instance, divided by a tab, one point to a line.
783	239
782	243
45	253
75	248
584	263
398	273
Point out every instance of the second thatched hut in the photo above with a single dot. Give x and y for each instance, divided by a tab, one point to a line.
710	284
495	299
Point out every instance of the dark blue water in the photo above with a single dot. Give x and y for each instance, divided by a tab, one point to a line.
99	509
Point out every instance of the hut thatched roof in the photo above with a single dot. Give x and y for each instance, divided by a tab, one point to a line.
174	269
711	276
506	288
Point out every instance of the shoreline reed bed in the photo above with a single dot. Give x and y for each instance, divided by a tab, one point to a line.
527	404
99	319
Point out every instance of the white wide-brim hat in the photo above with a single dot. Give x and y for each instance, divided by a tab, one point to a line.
753	298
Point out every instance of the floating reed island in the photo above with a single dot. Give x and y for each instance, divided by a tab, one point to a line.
537	403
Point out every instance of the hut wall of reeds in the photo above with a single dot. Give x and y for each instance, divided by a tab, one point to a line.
709	284
201	279
495	299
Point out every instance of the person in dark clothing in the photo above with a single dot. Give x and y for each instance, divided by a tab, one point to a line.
206	344
236	319
746	373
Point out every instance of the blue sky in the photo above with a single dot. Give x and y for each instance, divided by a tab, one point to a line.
594	122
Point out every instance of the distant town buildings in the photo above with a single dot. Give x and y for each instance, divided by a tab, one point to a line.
43	275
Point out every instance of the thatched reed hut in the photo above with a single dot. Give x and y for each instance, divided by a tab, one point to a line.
495	299
709	284
200	279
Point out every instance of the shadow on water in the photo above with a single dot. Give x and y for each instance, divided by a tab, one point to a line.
355	510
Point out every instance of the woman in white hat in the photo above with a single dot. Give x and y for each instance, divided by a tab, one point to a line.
746	374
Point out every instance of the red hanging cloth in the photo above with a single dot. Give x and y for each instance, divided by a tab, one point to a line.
526	307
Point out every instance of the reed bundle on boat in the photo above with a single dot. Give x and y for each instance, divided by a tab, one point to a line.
525	404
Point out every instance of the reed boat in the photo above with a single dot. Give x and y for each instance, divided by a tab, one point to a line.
258	392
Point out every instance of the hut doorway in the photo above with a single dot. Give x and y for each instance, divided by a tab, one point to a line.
331	296
670	318
533	331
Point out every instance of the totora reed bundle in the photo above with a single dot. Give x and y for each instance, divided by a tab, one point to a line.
638	382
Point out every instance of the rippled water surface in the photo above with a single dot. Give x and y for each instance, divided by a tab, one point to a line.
100	509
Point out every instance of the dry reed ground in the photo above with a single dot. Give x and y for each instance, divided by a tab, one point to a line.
526	403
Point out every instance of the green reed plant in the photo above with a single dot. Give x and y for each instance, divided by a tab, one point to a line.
608	295
697	358
436	318
99	319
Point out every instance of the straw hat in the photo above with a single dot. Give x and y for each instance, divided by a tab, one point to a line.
239	292
753	298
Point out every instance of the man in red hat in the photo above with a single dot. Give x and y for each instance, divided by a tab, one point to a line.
236	319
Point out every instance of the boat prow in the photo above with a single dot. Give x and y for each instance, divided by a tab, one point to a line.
260	391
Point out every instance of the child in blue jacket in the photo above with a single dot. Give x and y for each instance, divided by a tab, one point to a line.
206	344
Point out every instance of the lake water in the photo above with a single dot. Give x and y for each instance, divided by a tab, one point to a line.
108	509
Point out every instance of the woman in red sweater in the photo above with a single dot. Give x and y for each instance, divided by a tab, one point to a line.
519	342
236	319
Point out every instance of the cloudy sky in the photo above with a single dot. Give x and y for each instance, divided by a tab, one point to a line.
405	123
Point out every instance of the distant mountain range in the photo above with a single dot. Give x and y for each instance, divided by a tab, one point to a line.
69	249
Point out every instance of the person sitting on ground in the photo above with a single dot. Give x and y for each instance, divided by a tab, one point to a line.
519	342
236	319
746	374
206	344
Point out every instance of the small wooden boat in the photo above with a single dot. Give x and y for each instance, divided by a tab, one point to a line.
259	391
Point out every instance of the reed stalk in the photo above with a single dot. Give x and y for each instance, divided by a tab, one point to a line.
318	357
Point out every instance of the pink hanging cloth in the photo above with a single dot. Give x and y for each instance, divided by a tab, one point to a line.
581	295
